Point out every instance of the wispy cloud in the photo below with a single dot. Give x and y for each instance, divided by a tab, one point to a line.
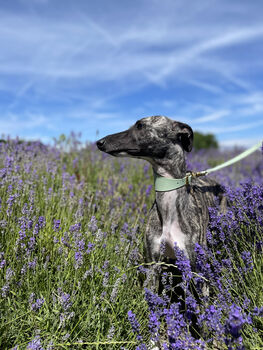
234	128
212	117
240	142
187	56
77	61
20	124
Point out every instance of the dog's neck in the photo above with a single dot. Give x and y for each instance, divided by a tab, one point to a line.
172	166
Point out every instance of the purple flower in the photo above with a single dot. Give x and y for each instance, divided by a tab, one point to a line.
106	277
135	325
154	301
78	259
75	228
234	323
191	306
81	244
64	300
5	290
211	318
32	264
148	190
248	261
141	347
183	264
258	311
66	336
111	333
56	226
9	274
175	324
38	304
154	325
90	247
115	289
41	221
2	264
10	202
105	265
35	344
92	225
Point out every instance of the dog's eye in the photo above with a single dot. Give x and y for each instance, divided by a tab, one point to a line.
139	126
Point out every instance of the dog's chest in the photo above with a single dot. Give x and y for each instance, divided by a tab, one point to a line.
171	231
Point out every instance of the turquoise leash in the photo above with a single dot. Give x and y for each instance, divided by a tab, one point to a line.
165	184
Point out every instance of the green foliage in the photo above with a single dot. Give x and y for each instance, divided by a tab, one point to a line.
204	141
72	187
85	303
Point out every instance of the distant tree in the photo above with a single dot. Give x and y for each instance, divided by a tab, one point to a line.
204	141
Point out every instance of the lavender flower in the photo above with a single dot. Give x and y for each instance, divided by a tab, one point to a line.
115	289
5	290
141	347
32	264
258	311
56	226
2	263
75	228
35	344
9	274
248	261
106	279
148	190
90	247
183	264
78	259
191	307
154	301
41	221
111	333
64	299
235	321
93	224
37	304
211	318
154	325
233	327
135	325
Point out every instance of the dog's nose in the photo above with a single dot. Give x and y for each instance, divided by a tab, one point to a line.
100	143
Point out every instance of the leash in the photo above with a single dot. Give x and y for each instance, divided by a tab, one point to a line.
165	184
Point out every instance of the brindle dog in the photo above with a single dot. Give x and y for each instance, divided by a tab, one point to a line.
179	216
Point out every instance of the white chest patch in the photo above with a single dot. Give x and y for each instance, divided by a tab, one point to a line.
171	232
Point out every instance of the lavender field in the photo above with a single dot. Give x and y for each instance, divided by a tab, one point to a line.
72	272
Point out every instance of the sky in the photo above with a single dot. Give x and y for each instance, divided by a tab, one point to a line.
96	67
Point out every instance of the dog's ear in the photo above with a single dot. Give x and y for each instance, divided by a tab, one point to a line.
185	136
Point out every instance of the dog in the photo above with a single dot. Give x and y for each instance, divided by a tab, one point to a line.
178	216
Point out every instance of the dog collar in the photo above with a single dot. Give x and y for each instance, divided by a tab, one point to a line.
165	184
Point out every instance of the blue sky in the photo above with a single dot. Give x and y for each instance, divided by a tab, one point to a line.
101	65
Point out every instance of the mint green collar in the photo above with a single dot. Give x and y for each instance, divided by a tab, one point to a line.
165	184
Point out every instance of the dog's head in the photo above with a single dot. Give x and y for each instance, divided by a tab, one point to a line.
150	137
